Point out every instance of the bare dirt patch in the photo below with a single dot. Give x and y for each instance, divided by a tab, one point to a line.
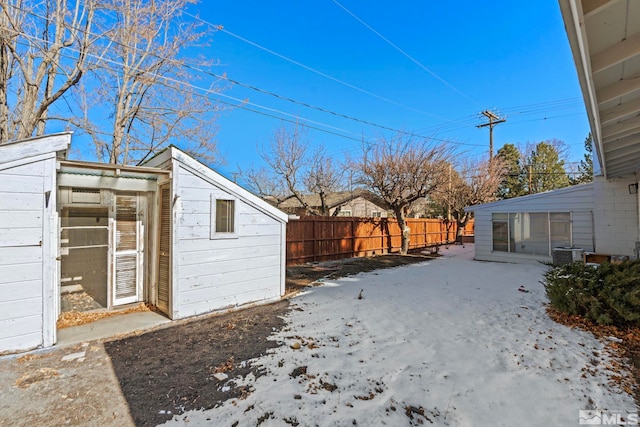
192	366
300	276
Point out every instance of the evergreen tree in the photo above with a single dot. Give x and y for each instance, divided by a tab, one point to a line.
585	168
545	169
513	185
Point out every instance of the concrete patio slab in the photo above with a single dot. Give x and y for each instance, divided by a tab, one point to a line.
111	327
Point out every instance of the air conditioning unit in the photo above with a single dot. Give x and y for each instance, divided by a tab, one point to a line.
563	256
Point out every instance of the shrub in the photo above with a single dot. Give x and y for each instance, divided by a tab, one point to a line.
606	294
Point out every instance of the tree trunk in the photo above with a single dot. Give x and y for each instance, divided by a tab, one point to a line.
404	229
4	79
462	222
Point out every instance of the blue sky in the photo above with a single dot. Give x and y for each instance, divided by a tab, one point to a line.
457	59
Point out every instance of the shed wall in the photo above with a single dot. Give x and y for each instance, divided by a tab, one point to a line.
577	200
22	266
221	272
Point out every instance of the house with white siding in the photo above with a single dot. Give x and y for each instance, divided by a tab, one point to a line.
599	217
602	216
173	234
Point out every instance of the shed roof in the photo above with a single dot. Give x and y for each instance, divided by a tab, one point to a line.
213	177
28	149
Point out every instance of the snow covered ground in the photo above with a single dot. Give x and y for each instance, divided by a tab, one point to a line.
451	341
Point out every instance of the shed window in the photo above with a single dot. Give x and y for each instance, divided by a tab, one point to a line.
344	212
223	218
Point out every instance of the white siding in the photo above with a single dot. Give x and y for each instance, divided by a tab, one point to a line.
29	292
578	200
616	217
212	274
21	256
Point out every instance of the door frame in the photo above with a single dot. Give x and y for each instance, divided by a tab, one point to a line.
139	251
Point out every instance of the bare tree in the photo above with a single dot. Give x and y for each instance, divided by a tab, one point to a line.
43	54
143	85
402	170
296	169
476	183
265	183
322	178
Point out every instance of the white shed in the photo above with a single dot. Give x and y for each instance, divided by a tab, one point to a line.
229	246
173	234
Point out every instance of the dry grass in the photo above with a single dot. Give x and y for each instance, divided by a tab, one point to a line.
76	318
33	377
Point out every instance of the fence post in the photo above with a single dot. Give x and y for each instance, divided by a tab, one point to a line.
353	237
315	242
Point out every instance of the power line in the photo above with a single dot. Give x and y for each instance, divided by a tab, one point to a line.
200	70
242	103
411	58
313	70
454	124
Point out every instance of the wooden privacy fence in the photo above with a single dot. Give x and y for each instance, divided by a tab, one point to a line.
319	238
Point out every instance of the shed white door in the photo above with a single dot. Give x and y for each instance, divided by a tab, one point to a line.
127	249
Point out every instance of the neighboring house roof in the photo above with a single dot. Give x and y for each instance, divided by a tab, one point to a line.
216	179
605	40
560	192
333	200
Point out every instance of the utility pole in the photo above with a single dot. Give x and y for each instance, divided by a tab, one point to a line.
449	196
493	120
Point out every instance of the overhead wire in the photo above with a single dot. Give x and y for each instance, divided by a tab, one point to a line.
288	99
308	68
208	93
404	53
242	103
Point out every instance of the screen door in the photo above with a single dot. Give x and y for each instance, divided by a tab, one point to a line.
127	249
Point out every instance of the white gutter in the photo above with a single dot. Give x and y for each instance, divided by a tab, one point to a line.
588	87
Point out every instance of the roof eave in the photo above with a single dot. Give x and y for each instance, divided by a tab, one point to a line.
573	17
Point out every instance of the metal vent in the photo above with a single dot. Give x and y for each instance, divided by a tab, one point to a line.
85	195
563	256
